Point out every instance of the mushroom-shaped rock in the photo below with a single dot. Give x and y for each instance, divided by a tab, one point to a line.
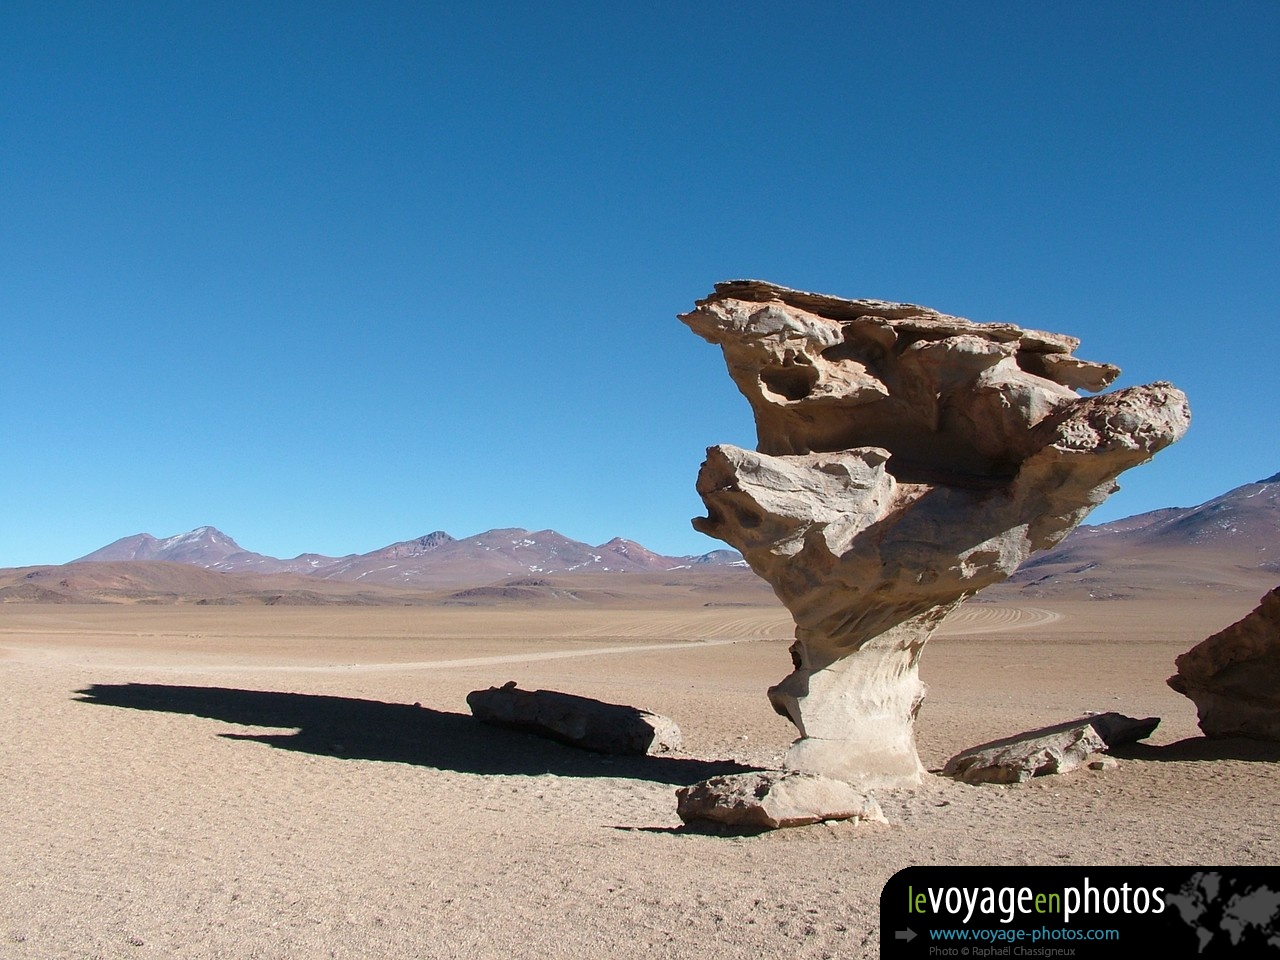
906	459
1234	676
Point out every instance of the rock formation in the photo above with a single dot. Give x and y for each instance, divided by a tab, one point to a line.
1058	749
577	721
1234	676
906	459
770	799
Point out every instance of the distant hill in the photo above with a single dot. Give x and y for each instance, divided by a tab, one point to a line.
166	582
206	547
1228	544
434	560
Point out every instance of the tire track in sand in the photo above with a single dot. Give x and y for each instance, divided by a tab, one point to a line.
751	628
969	621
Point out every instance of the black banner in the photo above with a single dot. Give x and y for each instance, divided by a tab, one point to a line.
1080	912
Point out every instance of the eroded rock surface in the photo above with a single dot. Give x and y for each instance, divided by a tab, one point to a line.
1057	749
770	799
1234	676
577	721
906	459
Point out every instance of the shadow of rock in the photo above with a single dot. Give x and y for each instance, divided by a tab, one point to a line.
700	828
1203	748
354	729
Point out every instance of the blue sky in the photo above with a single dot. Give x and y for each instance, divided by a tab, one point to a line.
328	276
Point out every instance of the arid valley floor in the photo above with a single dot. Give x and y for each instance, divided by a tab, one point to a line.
256	781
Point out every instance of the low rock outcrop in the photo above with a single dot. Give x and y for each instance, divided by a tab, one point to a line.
906	459
1057	749
770	799
1234	676
577	721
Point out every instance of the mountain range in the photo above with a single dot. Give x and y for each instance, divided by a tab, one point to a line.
434	560
1228	545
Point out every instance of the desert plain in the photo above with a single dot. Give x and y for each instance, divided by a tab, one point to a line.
263	781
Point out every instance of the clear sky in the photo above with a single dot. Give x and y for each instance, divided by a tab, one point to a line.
327	276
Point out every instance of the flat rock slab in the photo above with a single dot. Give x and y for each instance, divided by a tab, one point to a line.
1057	749
769	799
577	721
1116	729
1234	676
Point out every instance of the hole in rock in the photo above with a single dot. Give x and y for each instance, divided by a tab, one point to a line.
790	381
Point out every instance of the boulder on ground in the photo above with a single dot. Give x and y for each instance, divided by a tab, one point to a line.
577	721
1058	749
1234	676
769	799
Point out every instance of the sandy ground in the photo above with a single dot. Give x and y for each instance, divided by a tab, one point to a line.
255	782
